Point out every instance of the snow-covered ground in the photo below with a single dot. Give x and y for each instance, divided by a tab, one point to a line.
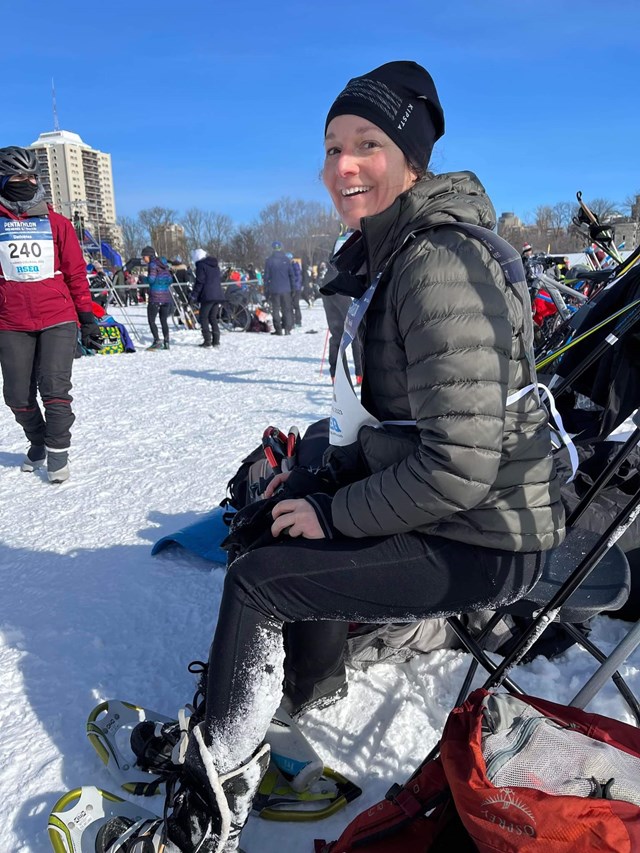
87	614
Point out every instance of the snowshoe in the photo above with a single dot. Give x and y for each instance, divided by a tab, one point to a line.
109	729
296	787
277	800
78	820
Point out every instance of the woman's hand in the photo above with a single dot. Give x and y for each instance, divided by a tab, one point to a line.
297	517
277	481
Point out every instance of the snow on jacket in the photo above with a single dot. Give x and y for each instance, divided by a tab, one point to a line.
444	345
29	306
278	274
208	287
159	278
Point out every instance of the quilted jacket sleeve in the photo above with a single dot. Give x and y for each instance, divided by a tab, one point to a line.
452	317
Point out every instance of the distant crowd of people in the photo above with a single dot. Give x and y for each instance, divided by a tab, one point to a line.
167	285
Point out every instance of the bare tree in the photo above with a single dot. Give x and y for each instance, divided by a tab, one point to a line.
562	213
245	248
156	220
194	228
306	228
134	236
604	208
217	231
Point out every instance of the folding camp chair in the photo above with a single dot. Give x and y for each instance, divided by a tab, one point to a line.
581	578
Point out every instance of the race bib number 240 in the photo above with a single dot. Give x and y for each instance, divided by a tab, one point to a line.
26	249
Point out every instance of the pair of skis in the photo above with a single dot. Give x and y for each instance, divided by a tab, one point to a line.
297	786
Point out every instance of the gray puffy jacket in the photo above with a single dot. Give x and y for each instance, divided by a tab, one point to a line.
444	345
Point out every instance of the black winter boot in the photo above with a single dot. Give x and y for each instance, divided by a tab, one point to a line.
158	746
204	811
35	458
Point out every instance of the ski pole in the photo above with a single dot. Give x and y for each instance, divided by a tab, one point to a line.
128	320
324	351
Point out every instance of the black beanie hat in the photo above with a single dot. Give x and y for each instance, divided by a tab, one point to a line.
148	252
401	99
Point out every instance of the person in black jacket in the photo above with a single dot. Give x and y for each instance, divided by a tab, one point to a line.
208	292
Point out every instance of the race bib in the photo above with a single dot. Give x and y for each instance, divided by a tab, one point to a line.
26	249
347	412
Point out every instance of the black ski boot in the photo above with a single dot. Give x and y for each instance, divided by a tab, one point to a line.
204	811
296	701
159	746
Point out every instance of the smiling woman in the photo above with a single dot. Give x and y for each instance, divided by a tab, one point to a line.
364	170
439	494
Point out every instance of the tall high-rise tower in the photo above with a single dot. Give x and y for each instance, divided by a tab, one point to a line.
79	182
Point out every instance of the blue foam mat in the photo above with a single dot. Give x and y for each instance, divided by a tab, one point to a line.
203	537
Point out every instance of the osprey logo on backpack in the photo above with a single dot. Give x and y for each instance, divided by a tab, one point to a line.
509	800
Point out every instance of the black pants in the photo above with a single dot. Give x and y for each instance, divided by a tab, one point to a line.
40	361
295	303
398	578
281	311
209	322
164	309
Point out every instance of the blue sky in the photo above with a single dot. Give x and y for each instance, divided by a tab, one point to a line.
222	105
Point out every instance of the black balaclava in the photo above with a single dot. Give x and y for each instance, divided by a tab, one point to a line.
19	190
401	99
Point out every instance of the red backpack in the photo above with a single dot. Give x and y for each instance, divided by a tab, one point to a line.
564	781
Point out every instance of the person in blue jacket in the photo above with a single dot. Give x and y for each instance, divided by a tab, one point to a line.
297	289
159	280
279	285
208	292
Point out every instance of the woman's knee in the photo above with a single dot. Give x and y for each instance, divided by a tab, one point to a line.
249	581
244	573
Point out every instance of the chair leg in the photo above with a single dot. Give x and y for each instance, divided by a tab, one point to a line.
608	669
473	666
474	648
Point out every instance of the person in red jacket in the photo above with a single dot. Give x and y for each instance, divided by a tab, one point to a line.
44	294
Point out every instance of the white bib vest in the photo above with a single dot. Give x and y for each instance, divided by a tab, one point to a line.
348	415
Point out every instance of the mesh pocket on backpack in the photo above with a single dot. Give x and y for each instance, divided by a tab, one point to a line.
524	749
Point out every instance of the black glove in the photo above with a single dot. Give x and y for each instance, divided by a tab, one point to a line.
321	504
90	333
305	481
250	528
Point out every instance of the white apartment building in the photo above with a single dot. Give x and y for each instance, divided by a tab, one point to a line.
79	181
